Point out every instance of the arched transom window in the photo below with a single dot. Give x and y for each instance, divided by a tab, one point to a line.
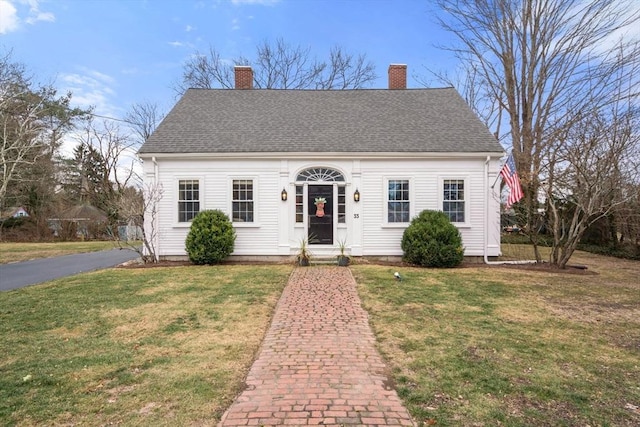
320	174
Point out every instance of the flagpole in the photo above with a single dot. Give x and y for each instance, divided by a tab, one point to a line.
496	181
499	174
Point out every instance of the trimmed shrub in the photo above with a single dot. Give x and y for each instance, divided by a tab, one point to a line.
211	238
431	240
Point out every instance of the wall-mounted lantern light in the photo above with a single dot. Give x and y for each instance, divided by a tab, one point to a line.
283	195
356	196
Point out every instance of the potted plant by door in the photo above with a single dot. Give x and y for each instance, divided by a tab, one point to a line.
304	256
343	258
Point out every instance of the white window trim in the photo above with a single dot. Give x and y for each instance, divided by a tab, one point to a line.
339	224
302	224
385	201
467	197
176	198
256	201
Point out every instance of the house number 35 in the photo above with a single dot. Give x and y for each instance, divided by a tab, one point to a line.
356	215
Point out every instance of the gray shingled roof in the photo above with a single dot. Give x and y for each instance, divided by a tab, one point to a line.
288	121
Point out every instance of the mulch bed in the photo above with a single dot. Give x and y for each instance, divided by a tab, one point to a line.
543	267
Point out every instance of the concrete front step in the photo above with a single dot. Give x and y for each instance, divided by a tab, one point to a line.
324	260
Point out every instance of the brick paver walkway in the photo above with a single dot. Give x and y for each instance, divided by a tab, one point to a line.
318	364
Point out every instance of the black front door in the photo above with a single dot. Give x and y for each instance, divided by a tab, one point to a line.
320	214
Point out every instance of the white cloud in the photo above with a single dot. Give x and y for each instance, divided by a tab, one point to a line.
91	88
177	43
9	20
624	10
189	28
235	24
626	34
105	78
41	16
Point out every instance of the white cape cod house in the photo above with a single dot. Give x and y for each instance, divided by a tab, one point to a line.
376	157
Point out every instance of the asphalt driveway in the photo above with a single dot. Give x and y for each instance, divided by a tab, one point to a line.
19	274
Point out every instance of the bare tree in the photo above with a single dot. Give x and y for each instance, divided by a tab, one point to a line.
345	71
139	210
279	65
470	84
283	66
628	216
541	61
33	120
587	169
116	147
207	72
143	118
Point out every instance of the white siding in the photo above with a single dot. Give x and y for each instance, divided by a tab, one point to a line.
260	237
426	177
275	231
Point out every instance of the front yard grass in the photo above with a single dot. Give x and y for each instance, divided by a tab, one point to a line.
14	252
486	346
135	347
473	346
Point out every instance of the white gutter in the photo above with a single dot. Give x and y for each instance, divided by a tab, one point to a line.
486	223
155	218
319	156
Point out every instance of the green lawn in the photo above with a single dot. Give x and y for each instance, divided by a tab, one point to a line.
502	346
135	347
13	252
469	346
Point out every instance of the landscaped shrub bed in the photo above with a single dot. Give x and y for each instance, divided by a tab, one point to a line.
431	240
211	238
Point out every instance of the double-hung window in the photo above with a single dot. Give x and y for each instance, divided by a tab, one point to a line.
242	208
398	203
188	199
453	200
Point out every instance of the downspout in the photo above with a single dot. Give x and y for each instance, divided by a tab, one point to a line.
155	217
486	222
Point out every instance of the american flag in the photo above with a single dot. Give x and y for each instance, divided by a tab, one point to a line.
510	176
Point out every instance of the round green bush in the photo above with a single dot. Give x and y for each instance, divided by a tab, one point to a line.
431	240
211	237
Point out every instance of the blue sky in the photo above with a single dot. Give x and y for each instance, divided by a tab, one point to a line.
113	53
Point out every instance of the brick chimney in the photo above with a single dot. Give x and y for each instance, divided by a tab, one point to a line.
397	76
244	77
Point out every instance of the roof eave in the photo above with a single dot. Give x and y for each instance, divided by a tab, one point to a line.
323	156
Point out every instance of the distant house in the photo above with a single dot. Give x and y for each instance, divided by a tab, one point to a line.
86	220
14	212
375	157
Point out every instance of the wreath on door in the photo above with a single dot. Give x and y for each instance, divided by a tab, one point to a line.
320	202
